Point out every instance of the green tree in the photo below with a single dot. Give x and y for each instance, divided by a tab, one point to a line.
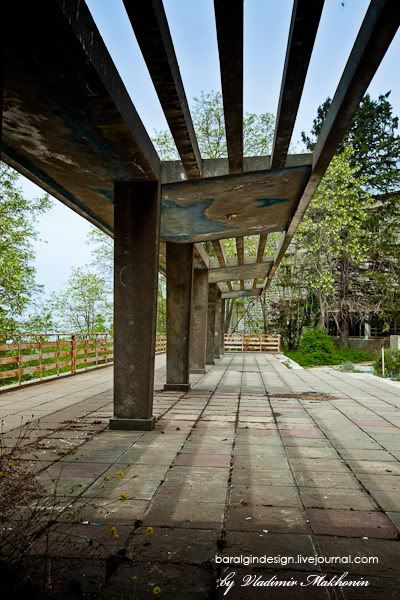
18	220
208	121
84	306
335	242
374	139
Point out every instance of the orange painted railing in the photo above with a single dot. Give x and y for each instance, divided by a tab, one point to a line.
252	343
30	356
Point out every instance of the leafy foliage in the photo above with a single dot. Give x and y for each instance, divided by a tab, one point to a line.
208	122
392	364
18	218
84	306
316	340
317	348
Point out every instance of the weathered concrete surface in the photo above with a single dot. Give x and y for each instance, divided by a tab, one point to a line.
198	329
212	301
136	249
256	459
179	311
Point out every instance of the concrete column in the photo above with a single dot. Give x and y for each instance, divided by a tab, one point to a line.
217	325
198	329
179	305
136	248
212	298
222	336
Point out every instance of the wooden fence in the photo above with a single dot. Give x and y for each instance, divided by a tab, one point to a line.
252	343
27	357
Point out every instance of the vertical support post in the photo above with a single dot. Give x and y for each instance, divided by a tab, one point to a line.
222	329
212	298
217	324
136	248
179	305
198	330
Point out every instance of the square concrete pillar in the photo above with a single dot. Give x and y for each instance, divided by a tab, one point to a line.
217	344
136	247
222	330
179	307
212	300
198	329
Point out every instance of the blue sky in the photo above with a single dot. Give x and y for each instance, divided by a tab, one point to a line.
193	31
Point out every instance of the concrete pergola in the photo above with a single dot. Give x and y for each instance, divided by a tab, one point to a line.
69	125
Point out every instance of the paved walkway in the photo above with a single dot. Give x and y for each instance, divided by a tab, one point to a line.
257	460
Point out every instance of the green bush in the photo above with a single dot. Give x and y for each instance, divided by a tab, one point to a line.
392	364
316	348
316	341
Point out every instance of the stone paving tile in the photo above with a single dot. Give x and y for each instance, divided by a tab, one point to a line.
203	460
361	455
167	544
270	544
104	510
203	475
374	467
73	539
380	482
326	480
309	465
193	582
389	500
351	523
185	514
265	495
266	518
263	476
191	492
349	499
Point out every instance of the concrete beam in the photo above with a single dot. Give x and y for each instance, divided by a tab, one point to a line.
242	293
150	25
241	272
220	252
137	221
240	255
202	259
61	83
179	308
229	22
231	206
303	30
172	171
260	252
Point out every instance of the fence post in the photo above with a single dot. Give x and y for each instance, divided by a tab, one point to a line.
41	358
73	354
19	362
58	354
86	342
95	348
